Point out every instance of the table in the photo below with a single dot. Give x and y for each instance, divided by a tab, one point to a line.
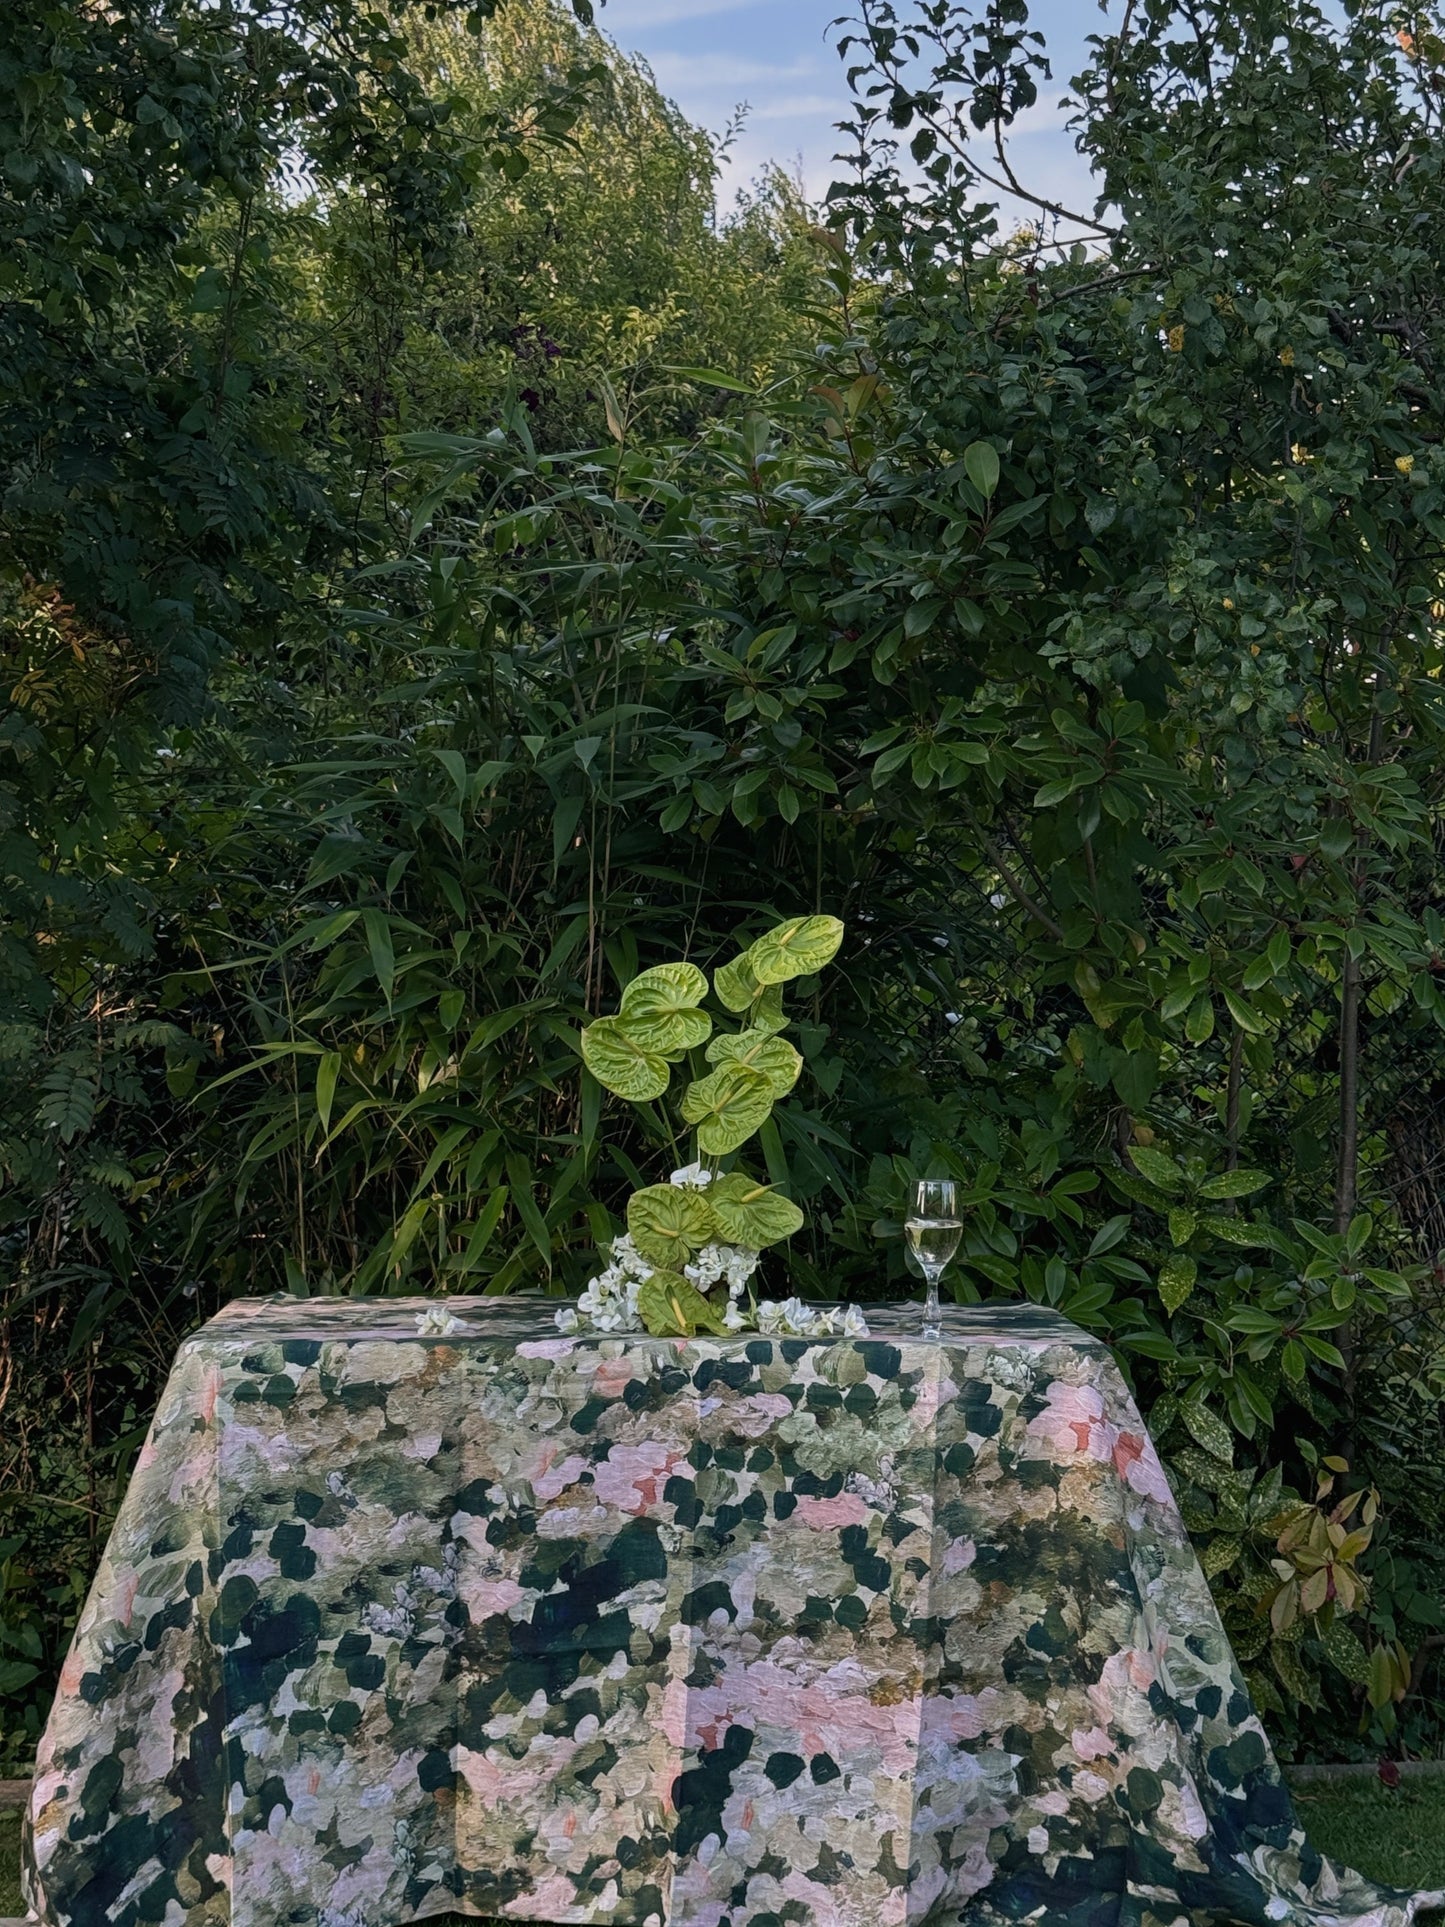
719	1633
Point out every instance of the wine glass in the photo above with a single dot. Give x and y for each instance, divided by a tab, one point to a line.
934	1229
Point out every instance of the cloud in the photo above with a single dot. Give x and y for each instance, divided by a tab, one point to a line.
623	16
692	72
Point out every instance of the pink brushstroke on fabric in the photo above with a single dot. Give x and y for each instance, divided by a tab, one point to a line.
958	1556
546	1348
1074	1421
210	1392
489	1598
963	1716
554	1898
632	1477
828	1712
1092	1743
828	1515
1137	1463
547	1477
71	1674
751	1417
821	1902
674	1712
612	1377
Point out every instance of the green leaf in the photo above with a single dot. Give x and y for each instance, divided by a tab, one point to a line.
67	1101
1234	1184
727	1107
1199	1024
1345	1651
751	1214
1239	1231
1219	1555
672	1308
1208	1429
1381	1678
1293	1361
383	955
735	984
328	1069
1176	1279
659	1008
1182	1223
1157	1167
797	948
759	1050
668	1223
1246	1017
767	1010
981	464
621	1064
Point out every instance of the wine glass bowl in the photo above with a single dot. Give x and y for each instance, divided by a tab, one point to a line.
934	1229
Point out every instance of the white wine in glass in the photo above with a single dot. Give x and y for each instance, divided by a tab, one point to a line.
934	1229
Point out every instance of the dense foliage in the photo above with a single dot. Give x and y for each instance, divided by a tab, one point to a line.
1062	609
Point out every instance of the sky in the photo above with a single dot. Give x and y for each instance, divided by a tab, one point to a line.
774	56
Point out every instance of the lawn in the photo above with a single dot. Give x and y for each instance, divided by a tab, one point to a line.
1397	1837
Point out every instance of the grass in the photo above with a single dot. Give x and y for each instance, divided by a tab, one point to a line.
10	1865
1397	1837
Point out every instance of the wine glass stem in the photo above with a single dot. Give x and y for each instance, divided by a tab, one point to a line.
932	1315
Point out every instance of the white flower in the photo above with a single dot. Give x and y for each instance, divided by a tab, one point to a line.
627	1260
735	1319
436	1322
609	1302
713	1262
794	1318
692	1177
567	1319
741	1264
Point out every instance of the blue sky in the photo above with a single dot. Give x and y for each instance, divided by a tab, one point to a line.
713	55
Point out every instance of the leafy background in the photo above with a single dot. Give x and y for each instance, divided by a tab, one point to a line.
446	569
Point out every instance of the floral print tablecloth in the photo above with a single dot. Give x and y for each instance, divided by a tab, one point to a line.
719	1633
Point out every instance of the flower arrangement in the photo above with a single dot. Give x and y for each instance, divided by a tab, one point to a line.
708	1226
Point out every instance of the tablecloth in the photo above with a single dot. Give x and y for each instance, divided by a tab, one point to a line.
712	1633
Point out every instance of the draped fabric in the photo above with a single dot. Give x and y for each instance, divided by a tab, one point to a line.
718	1632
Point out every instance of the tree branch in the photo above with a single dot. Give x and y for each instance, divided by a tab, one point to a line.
1011	882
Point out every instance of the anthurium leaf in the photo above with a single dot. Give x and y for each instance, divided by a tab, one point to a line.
767	1011
669	1034
796	948
669	986
659	1008
751	1214
735	984
668	1223
760	1051
727	1106
1176	1279
1157	1167
1234	1184
672	1308
621	1064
